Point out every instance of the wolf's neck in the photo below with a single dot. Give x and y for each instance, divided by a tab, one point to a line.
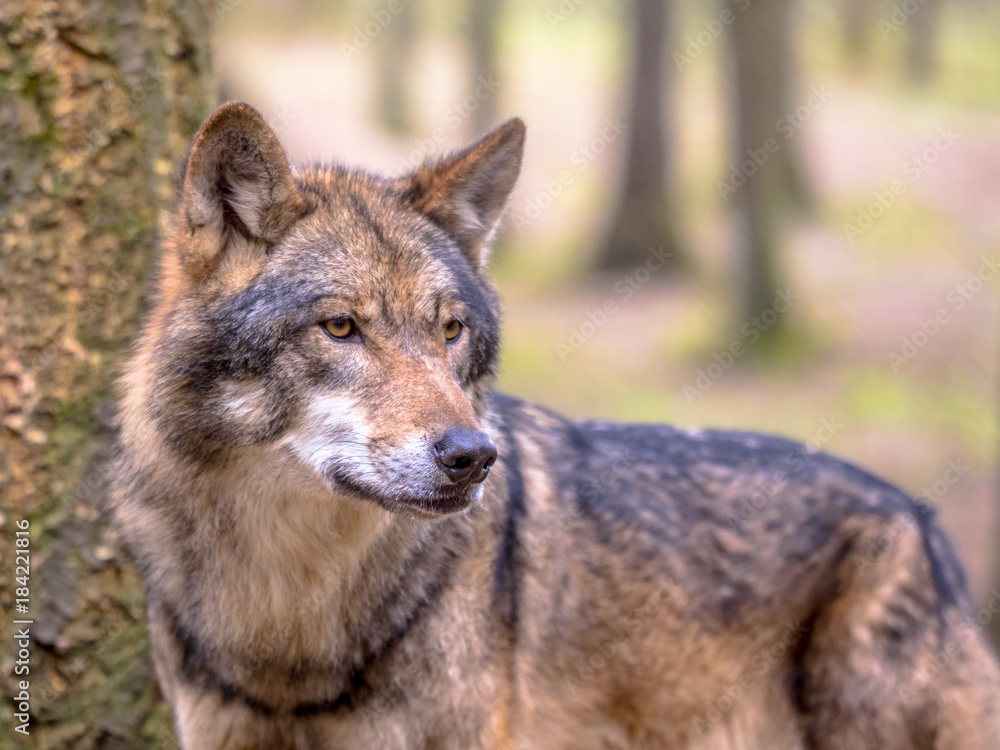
280	512
280	532
296	580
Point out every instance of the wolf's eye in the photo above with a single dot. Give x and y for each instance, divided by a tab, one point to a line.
339	328
452	329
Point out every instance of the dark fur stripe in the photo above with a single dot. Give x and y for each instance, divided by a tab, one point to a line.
194	669
505	594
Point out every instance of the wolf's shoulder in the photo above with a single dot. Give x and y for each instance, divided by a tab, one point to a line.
661	452
681	486
627	469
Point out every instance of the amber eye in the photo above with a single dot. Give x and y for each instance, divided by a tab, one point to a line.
452	329
339	328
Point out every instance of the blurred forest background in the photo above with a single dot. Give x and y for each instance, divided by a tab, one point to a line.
780	215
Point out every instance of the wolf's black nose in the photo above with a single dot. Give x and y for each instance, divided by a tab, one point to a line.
465	455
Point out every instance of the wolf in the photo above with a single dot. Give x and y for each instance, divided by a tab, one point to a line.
349	540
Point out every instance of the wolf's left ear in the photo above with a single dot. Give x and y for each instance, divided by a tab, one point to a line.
465	193
237	182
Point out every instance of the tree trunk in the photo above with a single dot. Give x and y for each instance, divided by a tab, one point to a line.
483	17
397	51
643	220
794	178
859	20
921	42
98	104
760	77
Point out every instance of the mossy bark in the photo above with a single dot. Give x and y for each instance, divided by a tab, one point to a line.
97	103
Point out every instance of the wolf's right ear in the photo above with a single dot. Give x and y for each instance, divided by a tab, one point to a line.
237	182
466	192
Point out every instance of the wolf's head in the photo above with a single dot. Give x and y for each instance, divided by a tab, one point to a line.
336	315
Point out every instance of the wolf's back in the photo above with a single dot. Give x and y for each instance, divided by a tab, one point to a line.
732	556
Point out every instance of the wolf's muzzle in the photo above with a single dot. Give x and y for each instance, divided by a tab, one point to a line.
464	455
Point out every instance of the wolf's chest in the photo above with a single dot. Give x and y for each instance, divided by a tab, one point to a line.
273	588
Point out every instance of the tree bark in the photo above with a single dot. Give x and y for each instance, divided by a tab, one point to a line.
643	219
97	107
758	44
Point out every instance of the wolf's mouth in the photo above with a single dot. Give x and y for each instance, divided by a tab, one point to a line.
442	501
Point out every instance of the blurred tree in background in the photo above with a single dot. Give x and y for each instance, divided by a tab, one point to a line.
918	20
646	207
858	19
483	21
922	41
98	104
395	66
766	158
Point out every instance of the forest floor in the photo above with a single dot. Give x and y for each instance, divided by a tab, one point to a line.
895	363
